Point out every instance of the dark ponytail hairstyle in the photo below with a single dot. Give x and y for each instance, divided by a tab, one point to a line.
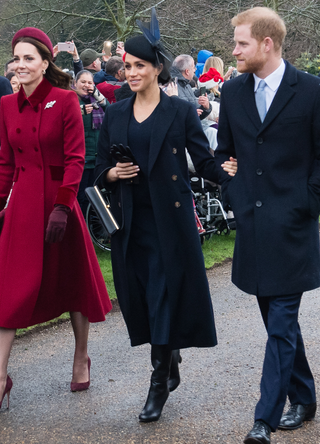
53	74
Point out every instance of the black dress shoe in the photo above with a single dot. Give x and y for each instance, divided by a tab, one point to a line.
296	414
260	434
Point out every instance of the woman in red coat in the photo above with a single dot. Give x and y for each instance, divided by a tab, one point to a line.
47	261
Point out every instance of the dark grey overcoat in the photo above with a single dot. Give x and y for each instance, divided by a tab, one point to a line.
275	194
177	127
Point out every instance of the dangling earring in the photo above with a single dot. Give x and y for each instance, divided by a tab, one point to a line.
43	71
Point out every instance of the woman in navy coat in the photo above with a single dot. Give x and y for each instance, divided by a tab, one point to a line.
158	264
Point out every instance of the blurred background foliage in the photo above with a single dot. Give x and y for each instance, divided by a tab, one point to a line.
187	26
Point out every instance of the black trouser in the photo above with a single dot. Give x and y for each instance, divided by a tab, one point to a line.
285	370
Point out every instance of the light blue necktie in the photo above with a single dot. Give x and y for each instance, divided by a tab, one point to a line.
261	100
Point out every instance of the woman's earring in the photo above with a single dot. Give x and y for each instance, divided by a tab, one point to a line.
43	71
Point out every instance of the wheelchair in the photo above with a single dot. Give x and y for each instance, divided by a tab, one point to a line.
207	198
98	233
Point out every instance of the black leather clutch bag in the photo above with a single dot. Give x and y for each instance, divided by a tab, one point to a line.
101	205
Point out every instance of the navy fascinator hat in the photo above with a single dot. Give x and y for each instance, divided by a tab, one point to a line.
148	47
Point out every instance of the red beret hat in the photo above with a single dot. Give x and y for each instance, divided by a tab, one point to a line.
36	34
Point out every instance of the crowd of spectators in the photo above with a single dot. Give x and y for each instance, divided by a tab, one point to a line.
103	76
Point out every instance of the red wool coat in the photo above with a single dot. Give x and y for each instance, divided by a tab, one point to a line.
42	153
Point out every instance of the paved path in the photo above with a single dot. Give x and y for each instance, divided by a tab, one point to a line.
214	403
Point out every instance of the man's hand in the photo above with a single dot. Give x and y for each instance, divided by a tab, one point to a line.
199	111
204	101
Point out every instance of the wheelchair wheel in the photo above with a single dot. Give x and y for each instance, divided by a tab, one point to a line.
99	235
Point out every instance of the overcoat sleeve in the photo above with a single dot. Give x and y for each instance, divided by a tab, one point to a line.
74	151
7	163
198	147
226	147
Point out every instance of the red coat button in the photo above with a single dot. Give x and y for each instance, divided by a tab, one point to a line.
20	149
36	149
40	168
34	129
18	130
23	168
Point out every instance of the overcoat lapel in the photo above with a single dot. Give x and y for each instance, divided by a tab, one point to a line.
124	118
164	119
246	98
286	91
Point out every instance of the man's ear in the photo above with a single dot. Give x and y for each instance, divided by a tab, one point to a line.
268	44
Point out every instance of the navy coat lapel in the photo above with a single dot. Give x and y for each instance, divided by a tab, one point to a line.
286	91
124	118
247	99
161	126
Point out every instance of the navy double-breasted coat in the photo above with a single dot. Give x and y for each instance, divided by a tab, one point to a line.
177	126
275	194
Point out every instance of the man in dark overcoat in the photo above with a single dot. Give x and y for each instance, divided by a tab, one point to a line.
270	121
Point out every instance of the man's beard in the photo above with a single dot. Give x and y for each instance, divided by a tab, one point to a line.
253	65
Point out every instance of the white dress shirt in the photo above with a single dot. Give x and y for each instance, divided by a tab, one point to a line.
273	82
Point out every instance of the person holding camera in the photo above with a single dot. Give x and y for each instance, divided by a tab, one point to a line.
41	225
92	105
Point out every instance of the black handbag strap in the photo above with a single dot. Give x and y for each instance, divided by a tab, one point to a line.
98	178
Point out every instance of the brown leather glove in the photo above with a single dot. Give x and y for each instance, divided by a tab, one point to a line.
2	214
57	224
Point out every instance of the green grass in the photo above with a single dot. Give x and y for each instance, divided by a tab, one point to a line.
215	251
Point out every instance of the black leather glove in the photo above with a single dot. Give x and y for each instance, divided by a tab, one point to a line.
57	224
123	155
2	214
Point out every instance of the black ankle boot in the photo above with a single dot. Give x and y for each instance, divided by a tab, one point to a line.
159	390
174	378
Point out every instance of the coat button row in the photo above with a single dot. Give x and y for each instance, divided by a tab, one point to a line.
20	149
258	203
23	168
259	172
174	150
174	177
177	204
36	149
260	140
34	129
18	130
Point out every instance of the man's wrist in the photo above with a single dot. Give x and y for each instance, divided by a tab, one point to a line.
76	60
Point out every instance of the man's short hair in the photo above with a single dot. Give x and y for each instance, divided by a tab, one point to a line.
113	65
7	64
264	23
183	62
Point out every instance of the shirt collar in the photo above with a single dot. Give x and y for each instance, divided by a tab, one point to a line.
38	95
273	80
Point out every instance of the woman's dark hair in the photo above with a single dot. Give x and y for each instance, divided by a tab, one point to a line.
53	74
10	75
164	76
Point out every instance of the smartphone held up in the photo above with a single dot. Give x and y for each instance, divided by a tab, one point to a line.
65	46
